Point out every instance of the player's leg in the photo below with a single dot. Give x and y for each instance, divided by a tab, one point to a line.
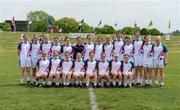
146	75
64	78
156	77
95	79
161	71
75	77
114	79
107	79
50	79
119	79
22	75
57	79
87	80
140	75
68	78
28	74
125	79
130	79
81	79
150	76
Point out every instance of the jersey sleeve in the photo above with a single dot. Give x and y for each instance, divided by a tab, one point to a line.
37	64
19	46
165	49
132	65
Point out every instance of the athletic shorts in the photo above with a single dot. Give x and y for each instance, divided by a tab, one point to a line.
159	63
91	72
138	60
34	61
115	72
78	73
103	73
147	62
25	62
64	72
127	73
53	73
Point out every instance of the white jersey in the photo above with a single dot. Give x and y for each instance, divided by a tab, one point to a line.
108	49
43	65
138	43
91	66
118	45
147	50
24	49
56	47
159	51
46	47
54	65
79	66
115	66
35	49
88	48
128	49
98	50
66	65
103	67
66	48
127	67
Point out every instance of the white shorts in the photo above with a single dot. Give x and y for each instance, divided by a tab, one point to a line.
78	73
147	62
115	72
158	63
53	73
91	72
66	72
138	60
103	73
127	73
25	62
40	73
34	61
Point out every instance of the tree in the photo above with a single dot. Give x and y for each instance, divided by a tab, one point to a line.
154	31
4	26
67	24
39	20
107	29
144	31
127	30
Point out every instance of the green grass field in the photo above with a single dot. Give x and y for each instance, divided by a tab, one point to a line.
15	97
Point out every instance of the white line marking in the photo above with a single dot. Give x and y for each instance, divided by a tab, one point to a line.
94	105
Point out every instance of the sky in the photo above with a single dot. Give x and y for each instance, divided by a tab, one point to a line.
122	12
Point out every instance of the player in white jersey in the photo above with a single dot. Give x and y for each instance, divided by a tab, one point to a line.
79	69
108	48
147	61
56	46
88	47
55	70
128	48
160	60
103	70
35	54
115	66
138	55
98	48
42	69
118	45
23	51
67	68
91	70
46	45
67	47
127	71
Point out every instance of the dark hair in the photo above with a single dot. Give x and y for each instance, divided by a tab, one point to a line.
66	38
103	53
56	38
126	55
78	38
88	35
145	36
91	52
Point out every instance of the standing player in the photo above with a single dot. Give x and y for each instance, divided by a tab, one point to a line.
127	71
35	55
56	46
147	61
42	69
115	66
91	70
78	47
55	70
108	48
46	45
23	51
88	47
103	70
138	55
67	47
118	44
98	48
160	60
79	69
67	67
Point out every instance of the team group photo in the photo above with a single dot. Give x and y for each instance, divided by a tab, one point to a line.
89	55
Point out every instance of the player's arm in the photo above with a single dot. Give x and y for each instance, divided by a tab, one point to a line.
166	55
19	49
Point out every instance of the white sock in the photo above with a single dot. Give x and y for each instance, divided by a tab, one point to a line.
77	82
21	78
49	83
28	77
114	83
57	83
146	82
43	82
21	81
138	79
156	82
125	83
34	79
119	82
162	83
80	82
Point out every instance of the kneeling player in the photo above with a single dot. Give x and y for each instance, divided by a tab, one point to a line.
54	69
103	70
67	66
116	70
91	69
42	69
127	71
79	69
